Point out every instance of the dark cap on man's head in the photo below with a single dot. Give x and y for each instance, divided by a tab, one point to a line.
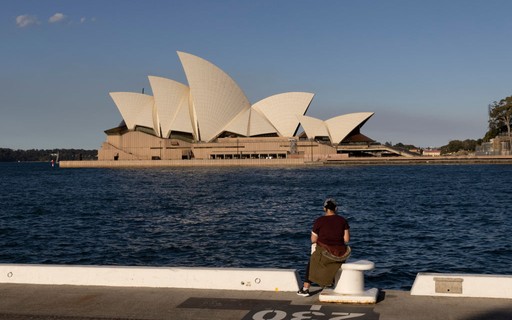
330	204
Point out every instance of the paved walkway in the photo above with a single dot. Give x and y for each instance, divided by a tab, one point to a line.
36	302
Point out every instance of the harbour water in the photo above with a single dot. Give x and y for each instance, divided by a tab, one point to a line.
407	219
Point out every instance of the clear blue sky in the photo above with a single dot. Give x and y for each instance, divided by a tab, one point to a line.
428	69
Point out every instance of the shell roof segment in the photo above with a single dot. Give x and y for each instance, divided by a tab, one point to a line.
259	124
171	105
216	97
314	127
339	127
136	109
240	124
282	110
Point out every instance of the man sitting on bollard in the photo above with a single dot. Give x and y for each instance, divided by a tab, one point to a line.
330	233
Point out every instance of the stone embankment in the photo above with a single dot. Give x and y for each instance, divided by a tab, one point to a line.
182	163
289	162
422	160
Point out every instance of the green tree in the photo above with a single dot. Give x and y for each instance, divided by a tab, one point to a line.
9	155
500	114
455	146
493	125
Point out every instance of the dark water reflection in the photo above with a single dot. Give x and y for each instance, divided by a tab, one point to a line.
406	219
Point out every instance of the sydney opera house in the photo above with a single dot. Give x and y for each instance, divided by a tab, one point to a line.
211	118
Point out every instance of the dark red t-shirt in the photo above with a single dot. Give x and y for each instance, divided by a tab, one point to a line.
330	230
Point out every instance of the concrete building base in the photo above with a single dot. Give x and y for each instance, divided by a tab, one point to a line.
245	279
462	285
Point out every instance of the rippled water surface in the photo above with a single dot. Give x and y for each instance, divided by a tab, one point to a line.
407	219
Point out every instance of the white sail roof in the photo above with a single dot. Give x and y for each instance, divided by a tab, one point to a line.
240	123
259	124
339	127
213	103
136	109
171	102
217	99
313	127
282	110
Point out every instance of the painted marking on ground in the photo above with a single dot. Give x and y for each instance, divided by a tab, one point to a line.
324	312
283	310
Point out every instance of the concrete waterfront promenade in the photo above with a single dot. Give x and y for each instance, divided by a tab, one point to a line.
289	162
38	292
36	302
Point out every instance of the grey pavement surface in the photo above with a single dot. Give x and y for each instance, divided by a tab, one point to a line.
36	302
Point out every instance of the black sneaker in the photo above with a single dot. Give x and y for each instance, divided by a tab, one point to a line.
303	292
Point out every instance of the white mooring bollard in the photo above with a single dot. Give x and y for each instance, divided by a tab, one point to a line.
350	286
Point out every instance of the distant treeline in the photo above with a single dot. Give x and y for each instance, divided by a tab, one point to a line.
9	155
456	146
453	147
